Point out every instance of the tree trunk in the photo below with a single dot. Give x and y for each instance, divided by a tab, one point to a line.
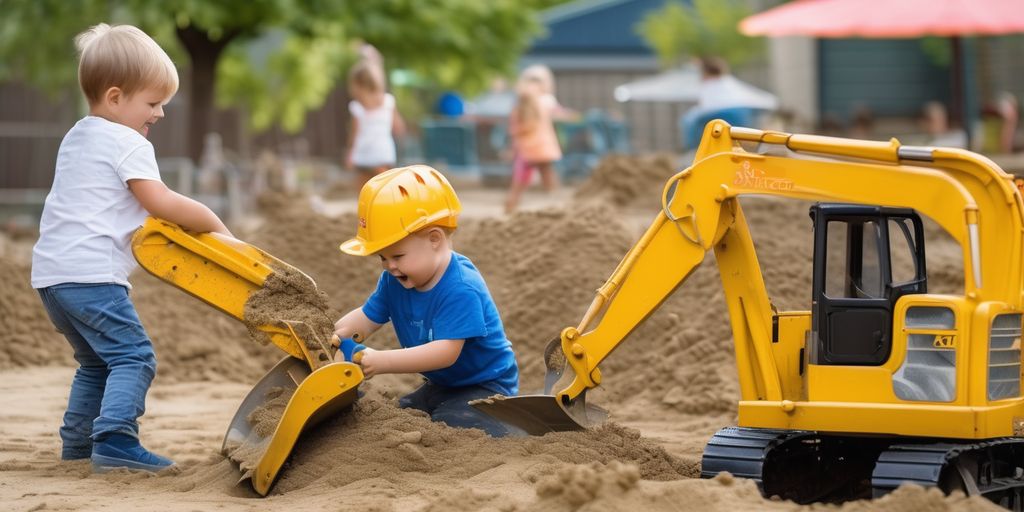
204	54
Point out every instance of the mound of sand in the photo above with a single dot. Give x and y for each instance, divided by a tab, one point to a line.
608	487
30	339
625	180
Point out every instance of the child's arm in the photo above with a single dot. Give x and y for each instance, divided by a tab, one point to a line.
355	324
167	204
435	355
397	125
353	129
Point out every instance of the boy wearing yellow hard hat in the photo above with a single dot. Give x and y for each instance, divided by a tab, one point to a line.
434	297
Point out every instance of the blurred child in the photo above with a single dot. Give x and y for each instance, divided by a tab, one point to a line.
548	99
375	121
532	130
105	184
434	297
936	124
1009	111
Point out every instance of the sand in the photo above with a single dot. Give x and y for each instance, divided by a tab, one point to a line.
671	385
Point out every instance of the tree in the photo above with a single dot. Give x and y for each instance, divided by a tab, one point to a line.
705	28
277	59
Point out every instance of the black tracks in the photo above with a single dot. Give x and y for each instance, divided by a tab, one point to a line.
806	466
992	468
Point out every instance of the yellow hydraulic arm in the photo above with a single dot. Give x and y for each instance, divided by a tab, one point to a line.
700	212
224	272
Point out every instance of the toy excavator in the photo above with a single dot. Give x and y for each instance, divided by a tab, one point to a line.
881	382
224	273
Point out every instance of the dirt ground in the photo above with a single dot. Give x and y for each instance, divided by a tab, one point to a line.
669	391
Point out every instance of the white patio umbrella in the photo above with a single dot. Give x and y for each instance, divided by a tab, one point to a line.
684	86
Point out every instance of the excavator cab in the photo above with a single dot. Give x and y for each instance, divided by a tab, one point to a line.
865	258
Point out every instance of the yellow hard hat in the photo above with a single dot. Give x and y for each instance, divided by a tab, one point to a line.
401	201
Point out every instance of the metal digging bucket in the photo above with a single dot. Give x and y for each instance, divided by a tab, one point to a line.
297	393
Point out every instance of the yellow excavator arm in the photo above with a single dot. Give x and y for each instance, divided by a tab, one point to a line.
967	195
700	213
225	273
881	382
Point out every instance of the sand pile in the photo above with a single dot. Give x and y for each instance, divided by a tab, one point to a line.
192	340
30	339
625	180
612	487
542	268
289	295
308	241
406	447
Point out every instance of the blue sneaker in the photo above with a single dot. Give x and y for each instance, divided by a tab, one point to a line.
124	451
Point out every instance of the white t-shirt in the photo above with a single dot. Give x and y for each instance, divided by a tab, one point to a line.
90	215
374	144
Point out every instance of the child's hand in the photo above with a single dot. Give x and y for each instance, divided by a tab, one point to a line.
348	349
372	362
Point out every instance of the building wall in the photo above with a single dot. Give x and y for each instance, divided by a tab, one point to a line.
1000	66
653	126
32	125
794	77
890	77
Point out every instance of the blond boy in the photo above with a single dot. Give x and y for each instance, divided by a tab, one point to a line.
106	183
434	297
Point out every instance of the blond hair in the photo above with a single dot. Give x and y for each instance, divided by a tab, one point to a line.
542	74
528	108
125	57
367	75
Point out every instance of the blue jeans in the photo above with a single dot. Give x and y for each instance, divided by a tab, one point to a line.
115	357
451	406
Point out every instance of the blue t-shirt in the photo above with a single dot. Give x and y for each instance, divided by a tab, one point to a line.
458	307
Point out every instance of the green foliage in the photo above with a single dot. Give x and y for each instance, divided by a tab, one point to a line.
285	76
36	39
456	43
937	50
678	32
283	56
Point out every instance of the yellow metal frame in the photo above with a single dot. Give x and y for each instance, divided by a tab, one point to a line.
966	194
224	272
218	270
319	396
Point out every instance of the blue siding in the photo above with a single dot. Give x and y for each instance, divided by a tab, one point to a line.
596	27
892	77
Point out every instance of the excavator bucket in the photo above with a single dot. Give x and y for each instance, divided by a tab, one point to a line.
260	447
539	414
300	391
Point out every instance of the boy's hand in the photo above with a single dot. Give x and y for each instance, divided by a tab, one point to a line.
348	349
372	362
